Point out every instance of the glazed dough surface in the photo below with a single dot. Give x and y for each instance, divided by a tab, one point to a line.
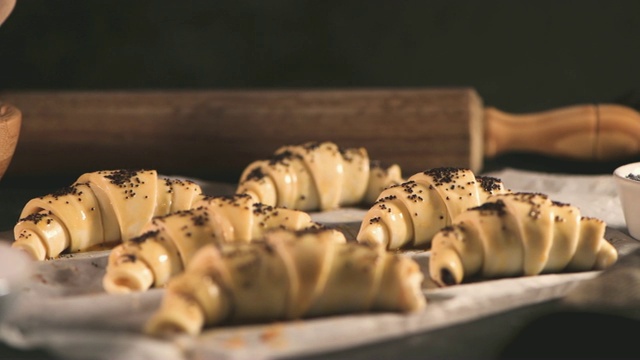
99	210
294	274
518	234
410	213
316	176
168	243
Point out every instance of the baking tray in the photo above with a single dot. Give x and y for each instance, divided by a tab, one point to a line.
64	309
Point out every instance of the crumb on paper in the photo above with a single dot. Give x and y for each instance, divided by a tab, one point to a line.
273	336
40	278
234	342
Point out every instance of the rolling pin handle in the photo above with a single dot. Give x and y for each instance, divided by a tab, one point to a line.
582	132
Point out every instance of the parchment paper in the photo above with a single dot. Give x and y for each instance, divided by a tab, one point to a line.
64	309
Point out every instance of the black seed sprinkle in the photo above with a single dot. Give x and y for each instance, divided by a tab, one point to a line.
144	237
123	177
632	176
445	175
489	184
34	218
497	207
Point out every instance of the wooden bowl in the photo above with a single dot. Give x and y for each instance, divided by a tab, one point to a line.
10	123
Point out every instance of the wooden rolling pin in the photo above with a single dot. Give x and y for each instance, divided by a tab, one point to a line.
215	134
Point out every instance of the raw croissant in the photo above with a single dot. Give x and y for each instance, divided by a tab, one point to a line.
289	275
410	213
317	176
100	209
519	234
169	242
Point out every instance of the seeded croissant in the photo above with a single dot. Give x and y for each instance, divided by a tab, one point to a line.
288	275
317	176
519	234
169	242
100	209
410	213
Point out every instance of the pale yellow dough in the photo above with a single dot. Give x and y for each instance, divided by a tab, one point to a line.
518	234
317	176
168	243
100	209
287	275
410	213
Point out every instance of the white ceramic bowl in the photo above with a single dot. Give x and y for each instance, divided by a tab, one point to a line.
15	269
629	192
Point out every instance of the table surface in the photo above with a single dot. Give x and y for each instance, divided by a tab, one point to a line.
523	331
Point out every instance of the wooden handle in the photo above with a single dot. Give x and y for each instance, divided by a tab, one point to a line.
6	6
10	123
582	132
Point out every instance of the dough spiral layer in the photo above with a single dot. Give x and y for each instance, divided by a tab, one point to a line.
410	213
169	242
289	275
519	234
317	176
101	208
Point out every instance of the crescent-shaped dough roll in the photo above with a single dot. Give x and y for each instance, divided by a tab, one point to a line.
99	210
169	242
518	234
316	176
410	213
288	275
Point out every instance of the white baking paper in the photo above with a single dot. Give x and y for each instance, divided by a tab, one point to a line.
63	308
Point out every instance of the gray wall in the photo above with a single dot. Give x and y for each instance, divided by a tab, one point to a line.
520	55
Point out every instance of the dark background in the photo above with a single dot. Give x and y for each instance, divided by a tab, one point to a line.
520	56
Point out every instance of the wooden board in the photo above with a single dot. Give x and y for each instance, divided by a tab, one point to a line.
214	134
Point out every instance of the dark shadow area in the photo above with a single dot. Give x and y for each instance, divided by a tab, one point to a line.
577	335
520	56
